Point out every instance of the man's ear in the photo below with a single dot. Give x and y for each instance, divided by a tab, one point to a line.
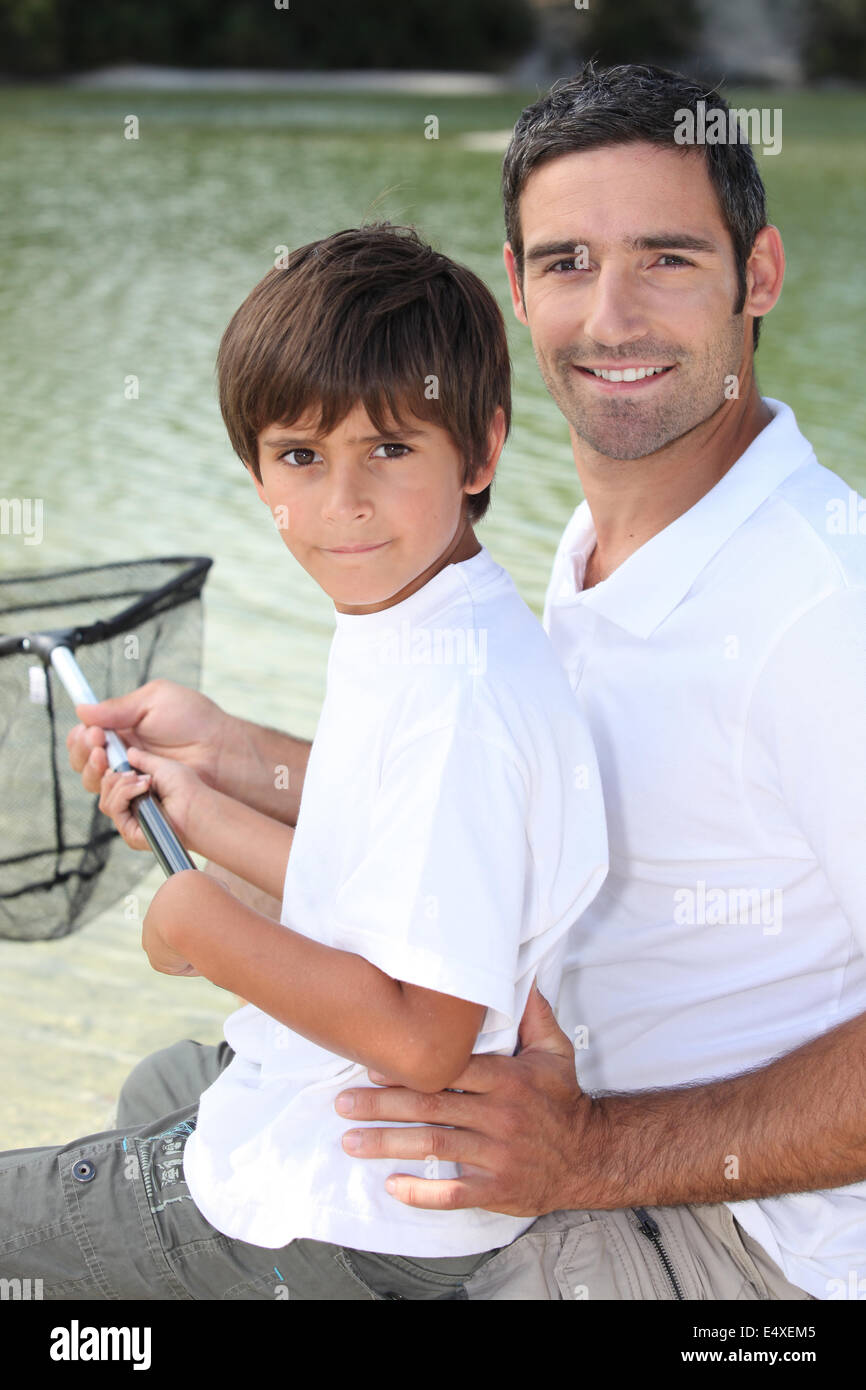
516	291
765	272
259	488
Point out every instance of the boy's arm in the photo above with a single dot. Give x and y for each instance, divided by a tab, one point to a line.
251	845
419	1037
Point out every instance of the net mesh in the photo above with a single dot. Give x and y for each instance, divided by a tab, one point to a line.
61	860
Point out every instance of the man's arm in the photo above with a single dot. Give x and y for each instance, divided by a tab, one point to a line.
263	768
795	1124
336	998
535	1143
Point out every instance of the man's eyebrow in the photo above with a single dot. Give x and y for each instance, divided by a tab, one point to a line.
659	241
305	442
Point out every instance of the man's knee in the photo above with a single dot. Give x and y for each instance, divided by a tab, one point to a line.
660	1254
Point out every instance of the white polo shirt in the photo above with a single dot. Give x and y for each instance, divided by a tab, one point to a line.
722	669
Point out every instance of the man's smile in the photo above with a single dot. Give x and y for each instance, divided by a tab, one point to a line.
618	379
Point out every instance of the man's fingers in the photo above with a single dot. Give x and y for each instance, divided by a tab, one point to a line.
424	1143
118	711
94	769
80	741
539	1030
395	1103
433	1194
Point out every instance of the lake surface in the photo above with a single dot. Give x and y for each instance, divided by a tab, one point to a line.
125	258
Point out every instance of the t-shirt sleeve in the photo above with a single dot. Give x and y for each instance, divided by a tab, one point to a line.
808	719
444	896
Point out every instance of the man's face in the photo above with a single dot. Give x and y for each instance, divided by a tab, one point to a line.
364	513
659	291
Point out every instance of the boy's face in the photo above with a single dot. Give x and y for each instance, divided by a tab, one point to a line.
370	517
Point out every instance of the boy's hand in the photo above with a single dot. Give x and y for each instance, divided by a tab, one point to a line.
178	788
169	905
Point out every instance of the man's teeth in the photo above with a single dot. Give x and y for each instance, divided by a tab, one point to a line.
629	374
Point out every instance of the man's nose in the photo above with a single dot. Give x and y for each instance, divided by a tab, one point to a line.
616	312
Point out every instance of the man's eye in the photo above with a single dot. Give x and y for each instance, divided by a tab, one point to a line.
404	447
569	263
309	456
678	260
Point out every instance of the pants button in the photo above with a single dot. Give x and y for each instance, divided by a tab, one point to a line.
83	1170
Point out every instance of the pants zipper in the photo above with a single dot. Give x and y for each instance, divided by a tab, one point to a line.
650	1228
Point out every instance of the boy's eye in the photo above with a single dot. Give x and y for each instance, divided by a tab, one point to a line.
405	448
303	457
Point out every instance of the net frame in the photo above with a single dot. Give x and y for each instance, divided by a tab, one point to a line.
62	892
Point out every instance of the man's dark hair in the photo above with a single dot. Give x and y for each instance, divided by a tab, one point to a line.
373	316
623	105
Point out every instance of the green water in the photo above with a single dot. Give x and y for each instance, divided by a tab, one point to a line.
126	258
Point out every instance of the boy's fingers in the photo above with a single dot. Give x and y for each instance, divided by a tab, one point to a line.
147	762
118	790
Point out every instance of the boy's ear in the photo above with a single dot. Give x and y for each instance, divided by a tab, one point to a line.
495	441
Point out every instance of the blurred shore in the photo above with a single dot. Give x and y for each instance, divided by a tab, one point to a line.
158	79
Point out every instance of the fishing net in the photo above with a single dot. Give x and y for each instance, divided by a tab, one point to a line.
61	860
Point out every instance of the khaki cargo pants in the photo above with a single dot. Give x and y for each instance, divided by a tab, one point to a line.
110	1217
692	1252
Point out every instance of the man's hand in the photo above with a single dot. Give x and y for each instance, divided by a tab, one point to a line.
160	717
519	1126
230	755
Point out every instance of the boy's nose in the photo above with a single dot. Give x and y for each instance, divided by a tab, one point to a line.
347	496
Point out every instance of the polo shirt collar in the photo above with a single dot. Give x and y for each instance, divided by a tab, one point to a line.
646	588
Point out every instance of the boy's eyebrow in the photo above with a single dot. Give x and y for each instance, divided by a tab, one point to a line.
661	241
286	441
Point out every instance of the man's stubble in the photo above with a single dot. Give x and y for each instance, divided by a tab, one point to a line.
628	427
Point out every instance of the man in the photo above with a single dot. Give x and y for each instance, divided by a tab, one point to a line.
711	620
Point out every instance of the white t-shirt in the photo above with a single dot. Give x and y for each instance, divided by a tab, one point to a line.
722	669
451	831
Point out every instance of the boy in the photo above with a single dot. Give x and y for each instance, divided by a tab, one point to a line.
451	828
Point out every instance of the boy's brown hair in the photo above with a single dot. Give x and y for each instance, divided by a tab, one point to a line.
370	315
